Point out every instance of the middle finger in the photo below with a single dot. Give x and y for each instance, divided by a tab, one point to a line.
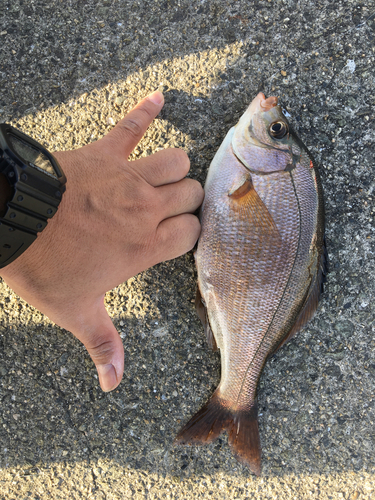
164	167
181	197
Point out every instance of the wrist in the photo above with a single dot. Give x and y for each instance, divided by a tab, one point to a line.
31	187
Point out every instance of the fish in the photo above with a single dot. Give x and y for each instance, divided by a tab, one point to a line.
261	261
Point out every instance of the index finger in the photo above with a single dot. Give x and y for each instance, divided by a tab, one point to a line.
130	130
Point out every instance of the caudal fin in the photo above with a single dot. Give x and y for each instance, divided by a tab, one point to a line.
242	427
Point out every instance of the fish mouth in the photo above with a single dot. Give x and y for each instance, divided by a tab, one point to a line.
268	103
261	104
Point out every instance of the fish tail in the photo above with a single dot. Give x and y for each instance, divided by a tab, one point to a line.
242	426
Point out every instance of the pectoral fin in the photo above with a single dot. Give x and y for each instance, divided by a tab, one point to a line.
242	190
246	199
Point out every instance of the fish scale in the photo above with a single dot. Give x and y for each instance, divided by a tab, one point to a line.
260	262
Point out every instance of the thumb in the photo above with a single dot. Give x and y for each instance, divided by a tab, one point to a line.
104	345
124	137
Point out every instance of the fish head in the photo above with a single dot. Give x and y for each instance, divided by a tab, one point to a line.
262	139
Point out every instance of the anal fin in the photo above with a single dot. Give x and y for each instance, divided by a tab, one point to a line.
203	316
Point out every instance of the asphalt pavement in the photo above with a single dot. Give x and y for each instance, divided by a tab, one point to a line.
68	72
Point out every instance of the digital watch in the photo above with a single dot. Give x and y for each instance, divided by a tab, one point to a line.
31	188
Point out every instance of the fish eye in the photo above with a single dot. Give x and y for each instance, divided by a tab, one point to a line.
278	130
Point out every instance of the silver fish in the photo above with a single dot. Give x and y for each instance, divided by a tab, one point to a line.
261	264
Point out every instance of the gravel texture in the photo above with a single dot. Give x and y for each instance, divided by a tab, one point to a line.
68	71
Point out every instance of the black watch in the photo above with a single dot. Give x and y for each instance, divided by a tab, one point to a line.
31	187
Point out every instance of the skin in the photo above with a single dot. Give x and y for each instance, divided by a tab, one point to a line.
116	219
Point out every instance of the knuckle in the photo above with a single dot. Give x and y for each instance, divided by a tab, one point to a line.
100	351
199	191
144	202
147	110
142	208
131	127
180	157
192	192
182	236
194	185
193	229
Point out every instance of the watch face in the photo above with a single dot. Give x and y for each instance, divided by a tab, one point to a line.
32	155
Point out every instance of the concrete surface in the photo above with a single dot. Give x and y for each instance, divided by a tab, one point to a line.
68	71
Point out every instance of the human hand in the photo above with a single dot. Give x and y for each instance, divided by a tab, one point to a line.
116	219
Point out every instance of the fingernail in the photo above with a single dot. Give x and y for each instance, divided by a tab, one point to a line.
107	377
156	97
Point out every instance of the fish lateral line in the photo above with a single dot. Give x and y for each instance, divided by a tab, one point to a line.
288	335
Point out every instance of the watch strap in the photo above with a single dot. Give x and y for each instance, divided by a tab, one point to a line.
14	241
